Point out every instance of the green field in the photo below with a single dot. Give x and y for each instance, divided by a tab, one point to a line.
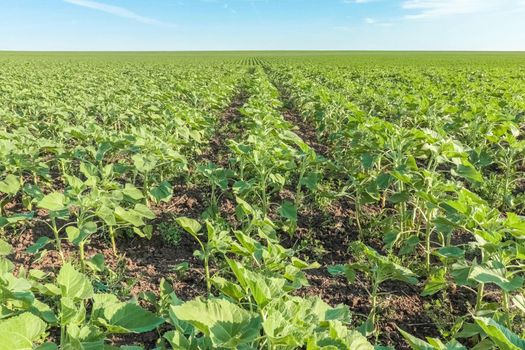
262	200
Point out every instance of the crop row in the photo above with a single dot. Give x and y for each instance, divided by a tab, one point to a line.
418	180
101	153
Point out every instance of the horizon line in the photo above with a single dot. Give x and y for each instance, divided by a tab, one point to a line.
257	50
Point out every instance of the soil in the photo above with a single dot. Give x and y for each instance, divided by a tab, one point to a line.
400	304
306	131
229	127
143	263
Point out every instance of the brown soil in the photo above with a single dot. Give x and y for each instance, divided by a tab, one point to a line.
142	263
399	304
306	131
228	128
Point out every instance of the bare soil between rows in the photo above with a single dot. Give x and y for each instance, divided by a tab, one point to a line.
401	305
144	263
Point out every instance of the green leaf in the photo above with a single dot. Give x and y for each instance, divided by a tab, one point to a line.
334	335
38	245
435	283
10	185
13	219
19	333
409	245
73	234
415	343
469	172
130	318
97	263
74	284
519	302
162	193
349	271
486	275
144	211
6	266
501	336
450	253
86	337
516	225
311	181
103	148
54	202
132	192
106	214
119	317
5	248
227	325
3	222
129	216
228	288
399	197
70	312
288	211
189	225
177	340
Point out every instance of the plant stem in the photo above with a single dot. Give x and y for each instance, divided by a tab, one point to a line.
479	297
57	237
358	216
374	305
402	210
82	255
506	308
207	272
428	232
62	330
113	243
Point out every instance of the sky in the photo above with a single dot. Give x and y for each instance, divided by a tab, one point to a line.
172	25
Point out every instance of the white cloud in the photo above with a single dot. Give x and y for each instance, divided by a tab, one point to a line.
117	11
440	8
375	22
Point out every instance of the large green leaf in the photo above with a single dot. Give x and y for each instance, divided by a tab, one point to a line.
190	225
163	192
288	211
38	245
10	185
469	172
74	284
54	201
86	337
120	317
227	325
504	338
107	214
292	320
415	343
77	235
19	333
5	248
144	211
485	275
132	192
334	335
129	216
71	313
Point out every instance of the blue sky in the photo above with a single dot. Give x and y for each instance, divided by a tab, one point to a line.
262	24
